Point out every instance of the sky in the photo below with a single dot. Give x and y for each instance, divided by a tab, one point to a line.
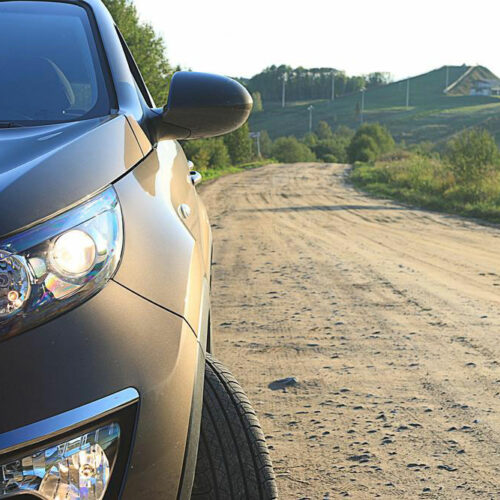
402	37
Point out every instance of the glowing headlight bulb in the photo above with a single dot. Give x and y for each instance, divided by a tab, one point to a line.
15	284
74	253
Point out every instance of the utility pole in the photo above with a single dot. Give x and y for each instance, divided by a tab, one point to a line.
407	93
333	86
285	79
310	109
362	104
256	136
447	76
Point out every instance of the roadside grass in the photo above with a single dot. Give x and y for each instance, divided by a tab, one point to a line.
210	174
429	183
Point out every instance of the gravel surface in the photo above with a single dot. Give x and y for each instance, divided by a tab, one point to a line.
386	317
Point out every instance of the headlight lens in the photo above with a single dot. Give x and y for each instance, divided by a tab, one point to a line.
73	253
76	469
54	266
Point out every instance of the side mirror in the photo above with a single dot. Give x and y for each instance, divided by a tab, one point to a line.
202	105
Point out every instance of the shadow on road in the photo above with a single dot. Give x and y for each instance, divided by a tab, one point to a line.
326	208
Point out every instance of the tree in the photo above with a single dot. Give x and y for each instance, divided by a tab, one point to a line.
310	140
363	148
290	150
323	130
147	47
377	79
207	153
219	155
266	144
472	154
369	142
257	102
306	84
239	145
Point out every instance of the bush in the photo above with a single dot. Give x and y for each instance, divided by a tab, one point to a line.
369	142
207	153
266	145
336	146
239	145
323	131
330	159
310	140
290	150
257	102
472	155
432	183
363	148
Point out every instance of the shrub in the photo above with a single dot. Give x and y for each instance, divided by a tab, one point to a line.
310	140
363	148
323	131
431	182
257	102
266	145
369	142
328	158
472	154
239	145
290	150
330	147
207	153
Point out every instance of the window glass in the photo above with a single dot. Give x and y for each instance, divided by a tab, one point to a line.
49	65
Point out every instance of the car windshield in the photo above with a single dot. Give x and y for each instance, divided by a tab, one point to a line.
50	70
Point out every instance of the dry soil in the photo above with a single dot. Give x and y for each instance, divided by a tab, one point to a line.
387	316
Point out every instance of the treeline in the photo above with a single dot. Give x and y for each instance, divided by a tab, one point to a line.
147	47
304	84
341	145
218	153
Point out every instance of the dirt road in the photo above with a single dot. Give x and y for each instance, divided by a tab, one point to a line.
388	317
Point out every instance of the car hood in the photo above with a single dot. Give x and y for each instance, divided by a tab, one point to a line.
46	169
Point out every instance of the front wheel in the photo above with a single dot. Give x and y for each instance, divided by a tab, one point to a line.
233	460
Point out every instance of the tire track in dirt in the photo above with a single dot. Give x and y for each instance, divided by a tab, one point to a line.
387	315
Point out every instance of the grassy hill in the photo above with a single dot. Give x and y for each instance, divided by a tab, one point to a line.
432	115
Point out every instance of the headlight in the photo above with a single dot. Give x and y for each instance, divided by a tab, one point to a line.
72	470
54	266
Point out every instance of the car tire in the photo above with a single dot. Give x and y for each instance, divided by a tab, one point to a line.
233	459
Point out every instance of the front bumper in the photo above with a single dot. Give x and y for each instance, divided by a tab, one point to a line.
113	342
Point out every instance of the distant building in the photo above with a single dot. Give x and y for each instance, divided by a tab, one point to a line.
485	87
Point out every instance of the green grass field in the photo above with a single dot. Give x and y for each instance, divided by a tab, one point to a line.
430	183
432	115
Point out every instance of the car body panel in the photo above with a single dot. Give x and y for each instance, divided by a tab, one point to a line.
57	166
165	259
114	341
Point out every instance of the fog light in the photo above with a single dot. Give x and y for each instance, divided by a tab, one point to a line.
76	469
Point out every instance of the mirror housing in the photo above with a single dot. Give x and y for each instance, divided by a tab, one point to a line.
202	105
